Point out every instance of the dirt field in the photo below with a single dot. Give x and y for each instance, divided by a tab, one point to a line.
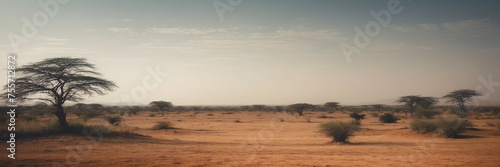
261	139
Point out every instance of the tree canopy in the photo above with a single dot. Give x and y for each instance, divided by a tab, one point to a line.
298	107
413	101
460	97
161	105
57	80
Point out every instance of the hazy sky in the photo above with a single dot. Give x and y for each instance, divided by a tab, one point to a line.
266	52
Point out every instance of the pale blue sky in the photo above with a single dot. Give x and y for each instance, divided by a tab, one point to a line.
267	52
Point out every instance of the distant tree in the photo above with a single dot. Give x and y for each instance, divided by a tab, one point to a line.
279	108
411	102
133	110
244	108
460	97
95	106
332	105
258	107
57	80
414	101
80	106
298	107
161	105
427	102
378	107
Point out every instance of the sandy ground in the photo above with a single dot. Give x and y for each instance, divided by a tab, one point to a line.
260	139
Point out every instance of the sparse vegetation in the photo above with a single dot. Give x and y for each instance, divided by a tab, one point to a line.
388	118
37	129
114	120
210	114
237	120
447	127
152	115
339	131
162	125
426	114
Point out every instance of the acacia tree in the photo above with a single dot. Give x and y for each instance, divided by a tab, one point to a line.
298	107
427	102
413	101
332	105
57	80
410	102
161	105
460	97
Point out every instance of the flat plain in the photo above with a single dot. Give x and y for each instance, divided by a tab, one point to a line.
260	139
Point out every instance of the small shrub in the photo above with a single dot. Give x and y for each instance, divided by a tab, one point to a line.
425	114
388	118
339	131
498	125
114	120
374	114
489	124
357	117
152	115
228	112
162	125
237	120
423	126
210	114
281	119
452	128
308	119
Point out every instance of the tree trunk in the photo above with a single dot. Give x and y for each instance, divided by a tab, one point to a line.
300	113
61	116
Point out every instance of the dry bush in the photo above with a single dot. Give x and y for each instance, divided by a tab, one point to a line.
425	114
446	127
423	126
339	131
162	125
116	120
388	118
